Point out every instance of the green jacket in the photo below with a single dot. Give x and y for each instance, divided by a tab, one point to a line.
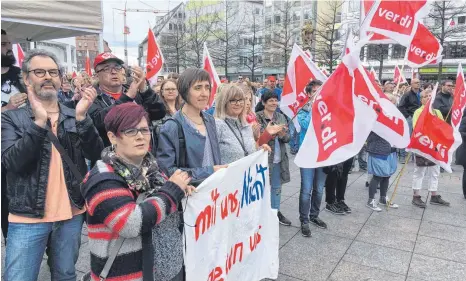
278	118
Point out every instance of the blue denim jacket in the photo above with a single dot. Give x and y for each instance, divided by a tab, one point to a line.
168	147
304	118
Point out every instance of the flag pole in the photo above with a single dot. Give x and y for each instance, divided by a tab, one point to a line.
398	180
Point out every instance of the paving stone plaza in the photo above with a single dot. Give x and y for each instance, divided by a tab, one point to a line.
407	244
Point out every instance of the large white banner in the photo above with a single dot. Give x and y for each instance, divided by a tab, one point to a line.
234	233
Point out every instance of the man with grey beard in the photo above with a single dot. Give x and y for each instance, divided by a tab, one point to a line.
43	184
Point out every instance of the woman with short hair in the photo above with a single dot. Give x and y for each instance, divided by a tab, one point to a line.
129	197
278	158
200	152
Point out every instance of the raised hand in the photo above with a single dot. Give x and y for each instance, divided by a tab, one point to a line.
88	97
40	114
17	100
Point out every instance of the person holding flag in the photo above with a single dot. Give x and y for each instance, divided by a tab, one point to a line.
312	179
425	167
444	100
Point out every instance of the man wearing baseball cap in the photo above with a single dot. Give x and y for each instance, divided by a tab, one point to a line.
111	91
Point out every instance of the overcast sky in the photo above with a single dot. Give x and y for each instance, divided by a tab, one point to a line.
137	22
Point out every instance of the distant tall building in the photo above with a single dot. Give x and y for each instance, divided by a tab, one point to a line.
88	43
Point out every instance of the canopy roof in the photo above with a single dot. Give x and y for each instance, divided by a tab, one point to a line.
44	20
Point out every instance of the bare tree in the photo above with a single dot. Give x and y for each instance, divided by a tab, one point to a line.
253	50
378	53
442	13
199	26
328	34
175	42
227	32
282	33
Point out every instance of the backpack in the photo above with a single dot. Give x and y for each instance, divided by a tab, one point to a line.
181	140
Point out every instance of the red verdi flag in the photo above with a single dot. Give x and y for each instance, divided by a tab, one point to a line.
391	124
300	71
424	48
398	77
433	138
340	122
395	19
19	54
459	99
209	67
366	6
154	61
373	74
88	64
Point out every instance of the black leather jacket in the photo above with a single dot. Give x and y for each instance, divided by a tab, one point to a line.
26	153
409	103
103	103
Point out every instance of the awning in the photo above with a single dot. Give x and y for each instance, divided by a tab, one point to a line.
45	20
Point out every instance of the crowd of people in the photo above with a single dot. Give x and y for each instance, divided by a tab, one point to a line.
120	155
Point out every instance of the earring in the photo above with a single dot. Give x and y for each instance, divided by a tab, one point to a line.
112	147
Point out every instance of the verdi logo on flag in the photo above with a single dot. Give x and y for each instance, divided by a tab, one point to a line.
301	70
154	61
395	19
433	138
424	48
391	124
376	38
208	66
459	99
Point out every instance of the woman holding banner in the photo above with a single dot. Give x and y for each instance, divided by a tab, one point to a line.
278	159
132	220
189	140
235	134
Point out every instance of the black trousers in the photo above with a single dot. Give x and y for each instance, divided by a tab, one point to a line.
335	185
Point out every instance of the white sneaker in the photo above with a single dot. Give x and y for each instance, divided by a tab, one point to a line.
372	204
384	201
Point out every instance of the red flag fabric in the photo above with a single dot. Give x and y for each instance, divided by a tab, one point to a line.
19	54
424	48
340	122
154	60
366	6
391	124
299	72
88	64
398	76
459	99
433	138
209	67
74	75
395	19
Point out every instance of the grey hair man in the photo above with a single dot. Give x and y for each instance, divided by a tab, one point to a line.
43	189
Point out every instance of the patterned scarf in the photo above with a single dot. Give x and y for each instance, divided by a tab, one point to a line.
146	178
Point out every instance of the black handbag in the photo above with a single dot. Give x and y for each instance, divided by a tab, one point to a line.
423	162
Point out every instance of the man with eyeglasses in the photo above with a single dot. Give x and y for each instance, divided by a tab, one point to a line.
111	91
43	189
444	100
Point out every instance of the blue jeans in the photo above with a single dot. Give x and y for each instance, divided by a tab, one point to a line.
310	195
294	141
275	186
26	245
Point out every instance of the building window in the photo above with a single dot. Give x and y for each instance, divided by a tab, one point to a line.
461	20
257	11
296	16
268	20
79	44
338	18
398	51
375	52
277	19
85	44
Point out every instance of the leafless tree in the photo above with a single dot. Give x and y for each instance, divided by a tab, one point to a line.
442	13
229	25
377	53
327	51
175	42
253	50
199	26
282	33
